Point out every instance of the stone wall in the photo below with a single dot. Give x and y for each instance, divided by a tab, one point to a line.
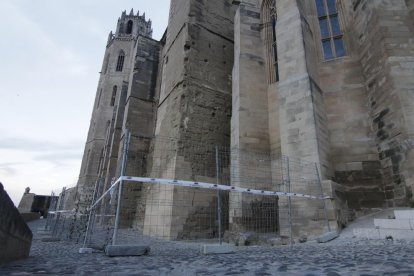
250	120
353	152
139	119
386	47
25	204
34	203
15	235
195	100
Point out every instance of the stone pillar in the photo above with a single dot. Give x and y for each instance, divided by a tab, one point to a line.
303	129
193	113
250	123
297	103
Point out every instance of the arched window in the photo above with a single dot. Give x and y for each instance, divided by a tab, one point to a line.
113	98
130	24
120	63
269	19
121	28
106	63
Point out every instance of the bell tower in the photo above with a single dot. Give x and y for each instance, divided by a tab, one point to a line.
99	159
133	25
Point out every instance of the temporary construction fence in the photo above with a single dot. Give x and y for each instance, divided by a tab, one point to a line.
174	191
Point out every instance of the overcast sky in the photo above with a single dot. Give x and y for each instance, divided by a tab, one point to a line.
51	52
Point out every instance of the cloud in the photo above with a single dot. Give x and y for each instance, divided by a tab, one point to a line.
25	144
9	168
59	158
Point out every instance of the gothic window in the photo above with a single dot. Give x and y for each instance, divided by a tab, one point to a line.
120	63
331	34
121	28
113	98
269	19
130	24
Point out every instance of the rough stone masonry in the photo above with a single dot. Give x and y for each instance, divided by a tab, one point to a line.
324	81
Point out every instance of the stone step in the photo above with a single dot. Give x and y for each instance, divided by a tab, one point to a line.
373	234
399	224
404	214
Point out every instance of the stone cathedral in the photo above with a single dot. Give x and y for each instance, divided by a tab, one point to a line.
326	81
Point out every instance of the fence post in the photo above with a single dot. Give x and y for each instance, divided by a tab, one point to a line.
118	207
322	199
289	201
218	193
58	208
52	207
91	212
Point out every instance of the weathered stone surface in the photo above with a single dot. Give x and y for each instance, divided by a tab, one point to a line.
212	80
85	250
15	235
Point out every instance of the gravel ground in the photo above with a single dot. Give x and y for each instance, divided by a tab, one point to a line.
343	256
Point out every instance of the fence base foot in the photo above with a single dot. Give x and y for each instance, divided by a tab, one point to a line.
217	249
126	250
85	250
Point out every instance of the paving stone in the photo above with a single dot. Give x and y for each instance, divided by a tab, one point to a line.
340	256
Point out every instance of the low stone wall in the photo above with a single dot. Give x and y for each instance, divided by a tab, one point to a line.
15	235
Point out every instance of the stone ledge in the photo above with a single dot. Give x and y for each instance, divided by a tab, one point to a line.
126	250
404	214
398	224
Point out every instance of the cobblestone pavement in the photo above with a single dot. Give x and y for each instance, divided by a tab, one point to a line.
340	257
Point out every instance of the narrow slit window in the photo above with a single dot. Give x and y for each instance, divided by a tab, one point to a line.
106	63
274	42
331	33
120	63
99	99
269	20
113	98
88	156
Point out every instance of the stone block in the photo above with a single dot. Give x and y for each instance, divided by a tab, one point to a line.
327	237
126	250
223	248
404	214
402	224
85	250
366	233
396	234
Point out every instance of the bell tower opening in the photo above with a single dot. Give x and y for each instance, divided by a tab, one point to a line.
130	24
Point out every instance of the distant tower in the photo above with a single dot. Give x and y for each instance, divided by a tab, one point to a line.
117	66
